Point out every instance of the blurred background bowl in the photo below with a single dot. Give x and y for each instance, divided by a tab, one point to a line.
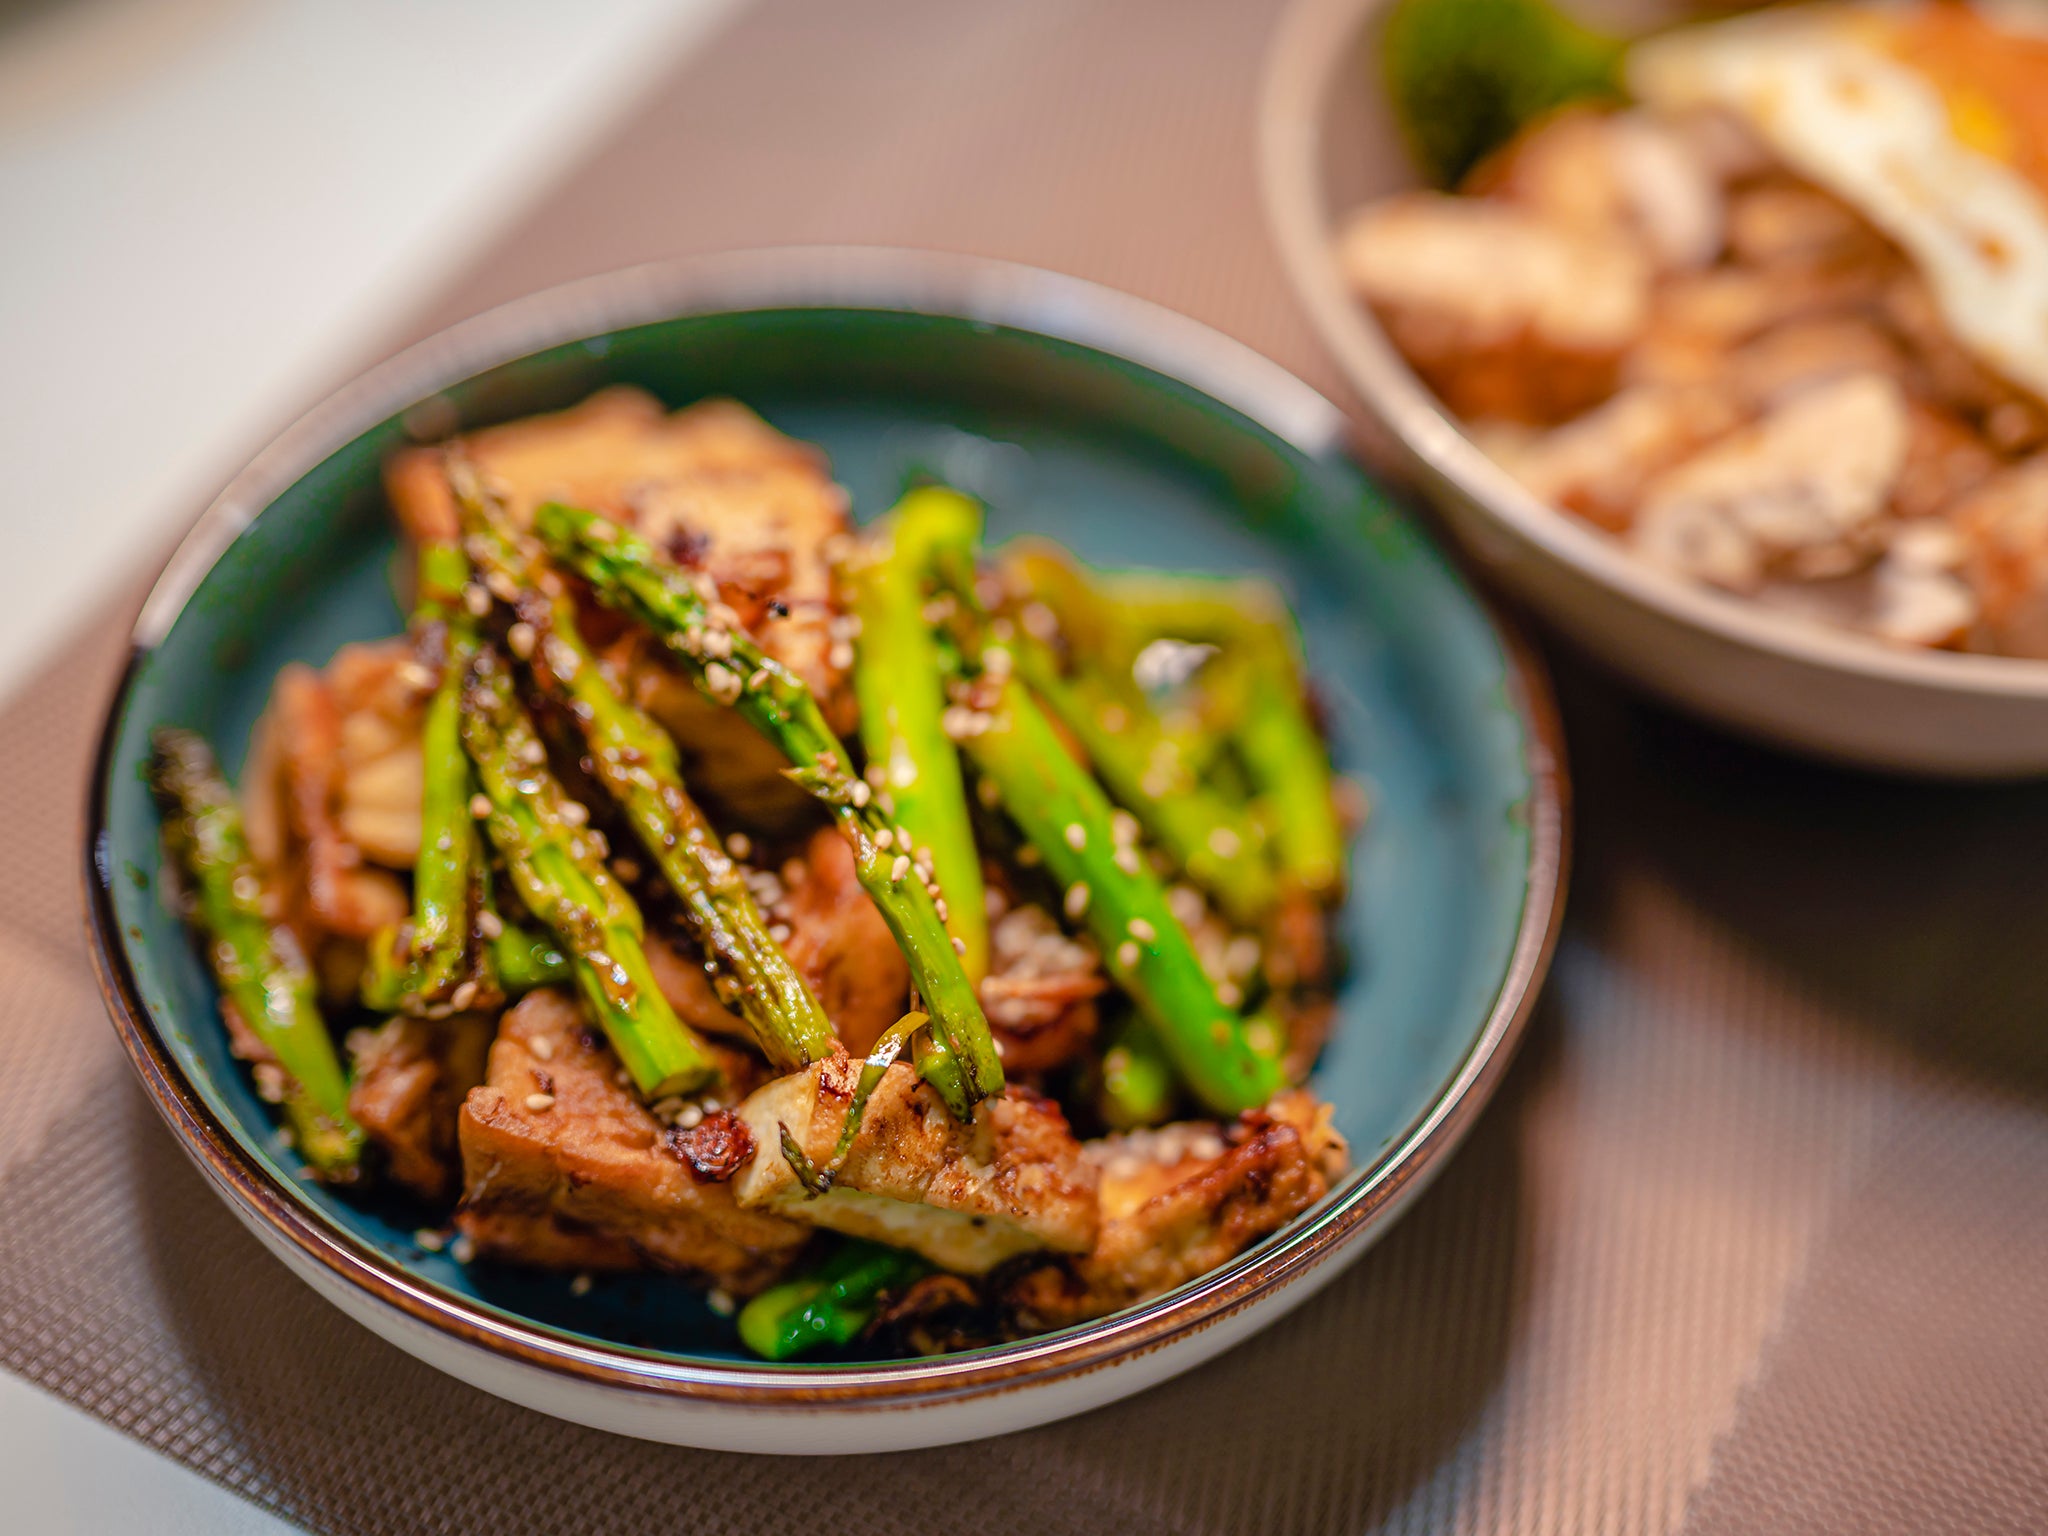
1328	144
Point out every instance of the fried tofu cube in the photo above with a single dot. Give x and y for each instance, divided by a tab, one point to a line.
564	1167
966	1197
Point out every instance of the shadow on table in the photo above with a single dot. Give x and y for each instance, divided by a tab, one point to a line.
1328	1420
1915	908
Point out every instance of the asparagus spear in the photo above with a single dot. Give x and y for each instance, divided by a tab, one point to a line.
1272	733
903	704
830	1305
1064	814
263	976
729	668
1136	1086
635	760
1143	764
562	878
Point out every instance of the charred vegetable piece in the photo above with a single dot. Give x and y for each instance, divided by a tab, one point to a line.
903	705
1465	76
1064	814
636	761
627	574
559	873
830	1305
1268	711
261	972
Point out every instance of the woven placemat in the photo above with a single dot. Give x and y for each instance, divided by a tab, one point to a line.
1754	1239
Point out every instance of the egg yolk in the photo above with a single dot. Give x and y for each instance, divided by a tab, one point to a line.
1993	81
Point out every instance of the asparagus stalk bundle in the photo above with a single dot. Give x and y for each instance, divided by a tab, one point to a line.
560	874
828	1306
957	1055
1272	730
1090	848
636	761
263	976
1064	814
903	706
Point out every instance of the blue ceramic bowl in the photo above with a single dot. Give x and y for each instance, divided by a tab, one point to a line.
1133	435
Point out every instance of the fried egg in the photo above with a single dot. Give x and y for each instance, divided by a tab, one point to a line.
1930	118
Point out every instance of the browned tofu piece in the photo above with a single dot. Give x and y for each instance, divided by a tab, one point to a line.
562	1165
714	484
1597	465
1504	312
2004	530
410	1078
1182	1199
967	1197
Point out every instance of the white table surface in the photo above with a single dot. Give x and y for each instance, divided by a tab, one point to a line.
210	210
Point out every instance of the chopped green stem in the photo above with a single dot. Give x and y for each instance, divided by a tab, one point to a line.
1145	768
830	1305
524	961
903	705
636	761
627	574
1136	1084
1271	729
262	974
560	874
881	1057
1065	815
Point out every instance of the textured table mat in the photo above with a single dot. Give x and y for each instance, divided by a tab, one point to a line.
1755	1239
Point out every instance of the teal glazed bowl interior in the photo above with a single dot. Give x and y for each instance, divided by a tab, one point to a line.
1134	436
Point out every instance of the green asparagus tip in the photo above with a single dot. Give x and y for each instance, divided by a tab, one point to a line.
830	1305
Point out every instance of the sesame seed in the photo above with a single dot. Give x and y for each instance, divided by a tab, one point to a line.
959	944
429	1239
718	643
532	753
463	995
1127	955
758	681
721	682
900	868
580	1286
1039	622
1126	859
415	676
840	657
691	1116
739	845
575	812
540	1102
1229	994
476	600
489	924
1113	718
885	838
996	662
542	1047
859	793
1123	827
479	806
521	638
1141	930
1224	843
1260	1037
1076	836
628	869
721	1301
1077	899
503	587
779	932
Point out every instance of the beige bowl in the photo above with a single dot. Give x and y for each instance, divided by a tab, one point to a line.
1327	144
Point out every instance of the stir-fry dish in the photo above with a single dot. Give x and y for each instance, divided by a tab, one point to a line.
917	945
1764	298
